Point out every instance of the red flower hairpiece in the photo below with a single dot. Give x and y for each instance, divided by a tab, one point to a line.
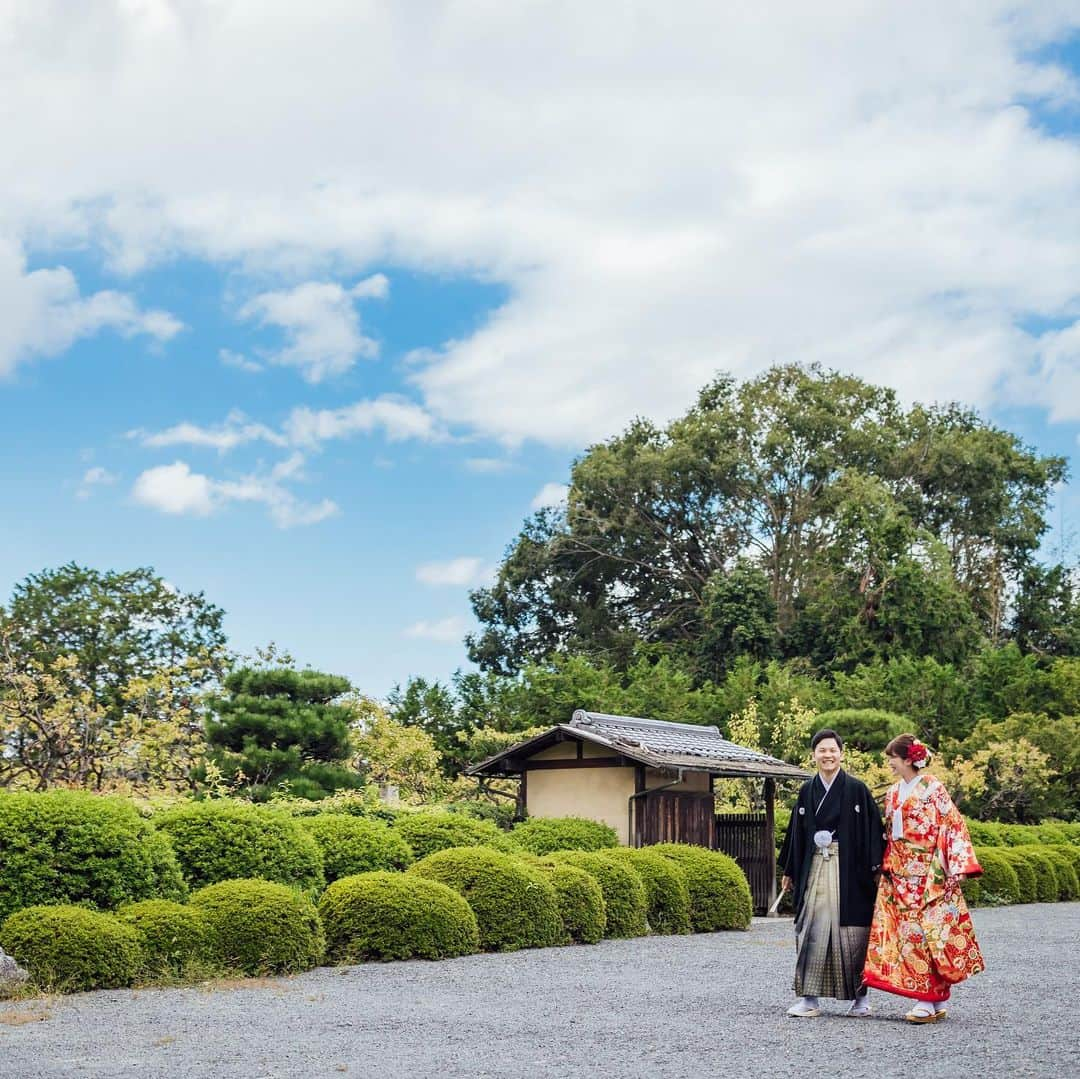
918	756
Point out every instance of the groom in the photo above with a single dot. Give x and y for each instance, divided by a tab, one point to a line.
830	857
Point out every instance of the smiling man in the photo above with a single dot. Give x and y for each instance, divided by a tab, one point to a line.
830	857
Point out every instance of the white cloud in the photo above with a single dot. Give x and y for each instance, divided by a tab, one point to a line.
375	287
235	431
461	572
663	194
176	490
42	312
239	361
321	325
94	477
487	465
398	418
549	496
446	630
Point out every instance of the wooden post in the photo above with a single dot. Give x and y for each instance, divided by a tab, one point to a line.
521	809
770	835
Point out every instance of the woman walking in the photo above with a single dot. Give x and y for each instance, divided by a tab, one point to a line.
922	941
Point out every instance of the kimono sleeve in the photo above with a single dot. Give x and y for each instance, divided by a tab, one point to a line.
954	843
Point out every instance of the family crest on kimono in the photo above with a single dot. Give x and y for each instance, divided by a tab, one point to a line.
922	941
831	854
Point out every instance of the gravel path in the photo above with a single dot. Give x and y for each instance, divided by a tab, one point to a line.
660	1006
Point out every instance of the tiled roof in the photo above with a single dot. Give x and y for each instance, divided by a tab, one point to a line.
652	742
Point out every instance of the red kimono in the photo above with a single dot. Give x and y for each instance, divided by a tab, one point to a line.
921	939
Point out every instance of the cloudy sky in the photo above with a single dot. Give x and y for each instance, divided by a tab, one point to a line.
308	305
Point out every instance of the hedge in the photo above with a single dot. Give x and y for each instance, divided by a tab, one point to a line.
543	835
515	906
719	894
1025	874
73	847
625	902
67	949
216	841
353	845
666	891
999	882
262	927
429	831
984	834
1068	885
1046	880
383	915
175	937
581	901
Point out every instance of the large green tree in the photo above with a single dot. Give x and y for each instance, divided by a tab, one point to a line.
282	728
909	529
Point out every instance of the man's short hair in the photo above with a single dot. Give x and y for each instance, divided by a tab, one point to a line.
822	735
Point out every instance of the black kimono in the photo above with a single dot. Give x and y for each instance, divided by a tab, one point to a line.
852	815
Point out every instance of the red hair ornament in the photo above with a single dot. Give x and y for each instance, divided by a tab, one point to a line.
918	756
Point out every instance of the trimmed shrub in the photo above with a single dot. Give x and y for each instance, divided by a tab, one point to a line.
352	845
581	901
666	891
1046	881
625	902
1014	835
972	890
515	906
1025	874
428	831
174	936
382	915
1072	854
1050	835
984	834
998	883
1068	885
719	894
67	949
543	835
262	927
217	841
72	847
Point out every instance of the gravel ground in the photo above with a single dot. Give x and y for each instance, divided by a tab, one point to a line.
660	1006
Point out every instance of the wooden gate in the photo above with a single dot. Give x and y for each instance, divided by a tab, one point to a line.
677	817
748	838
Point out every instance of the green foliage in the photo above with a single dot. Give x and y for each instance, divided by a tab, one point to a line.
984	833
666	891
1068	884
625	901
217	841
67	846
581	901
542	835
719	894
282	728
262	927
356	845
1047	886
868	730
515	906
174	937
428	831
999	882
67	949
384	915
1025	874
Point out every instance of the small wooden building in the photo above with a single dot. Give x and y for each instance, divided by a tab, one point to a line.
652	781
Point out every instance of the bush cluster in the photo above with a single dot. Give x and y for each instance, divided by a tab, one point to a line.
217	841
719	893
581	901
514	904
625	903
67	949
262	927
544	835
352	844
1026	873
175	937
428	831
667	893
72	847
382	915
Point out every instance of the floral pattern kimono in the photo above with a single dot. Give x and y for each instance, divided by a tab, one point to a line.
921	939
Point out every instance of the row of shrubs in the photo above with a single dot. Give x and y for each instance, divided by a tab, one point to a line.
453	902
68	846
1028	873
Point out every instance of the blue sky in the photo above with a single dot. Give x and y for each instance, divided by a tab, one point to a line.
309	309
